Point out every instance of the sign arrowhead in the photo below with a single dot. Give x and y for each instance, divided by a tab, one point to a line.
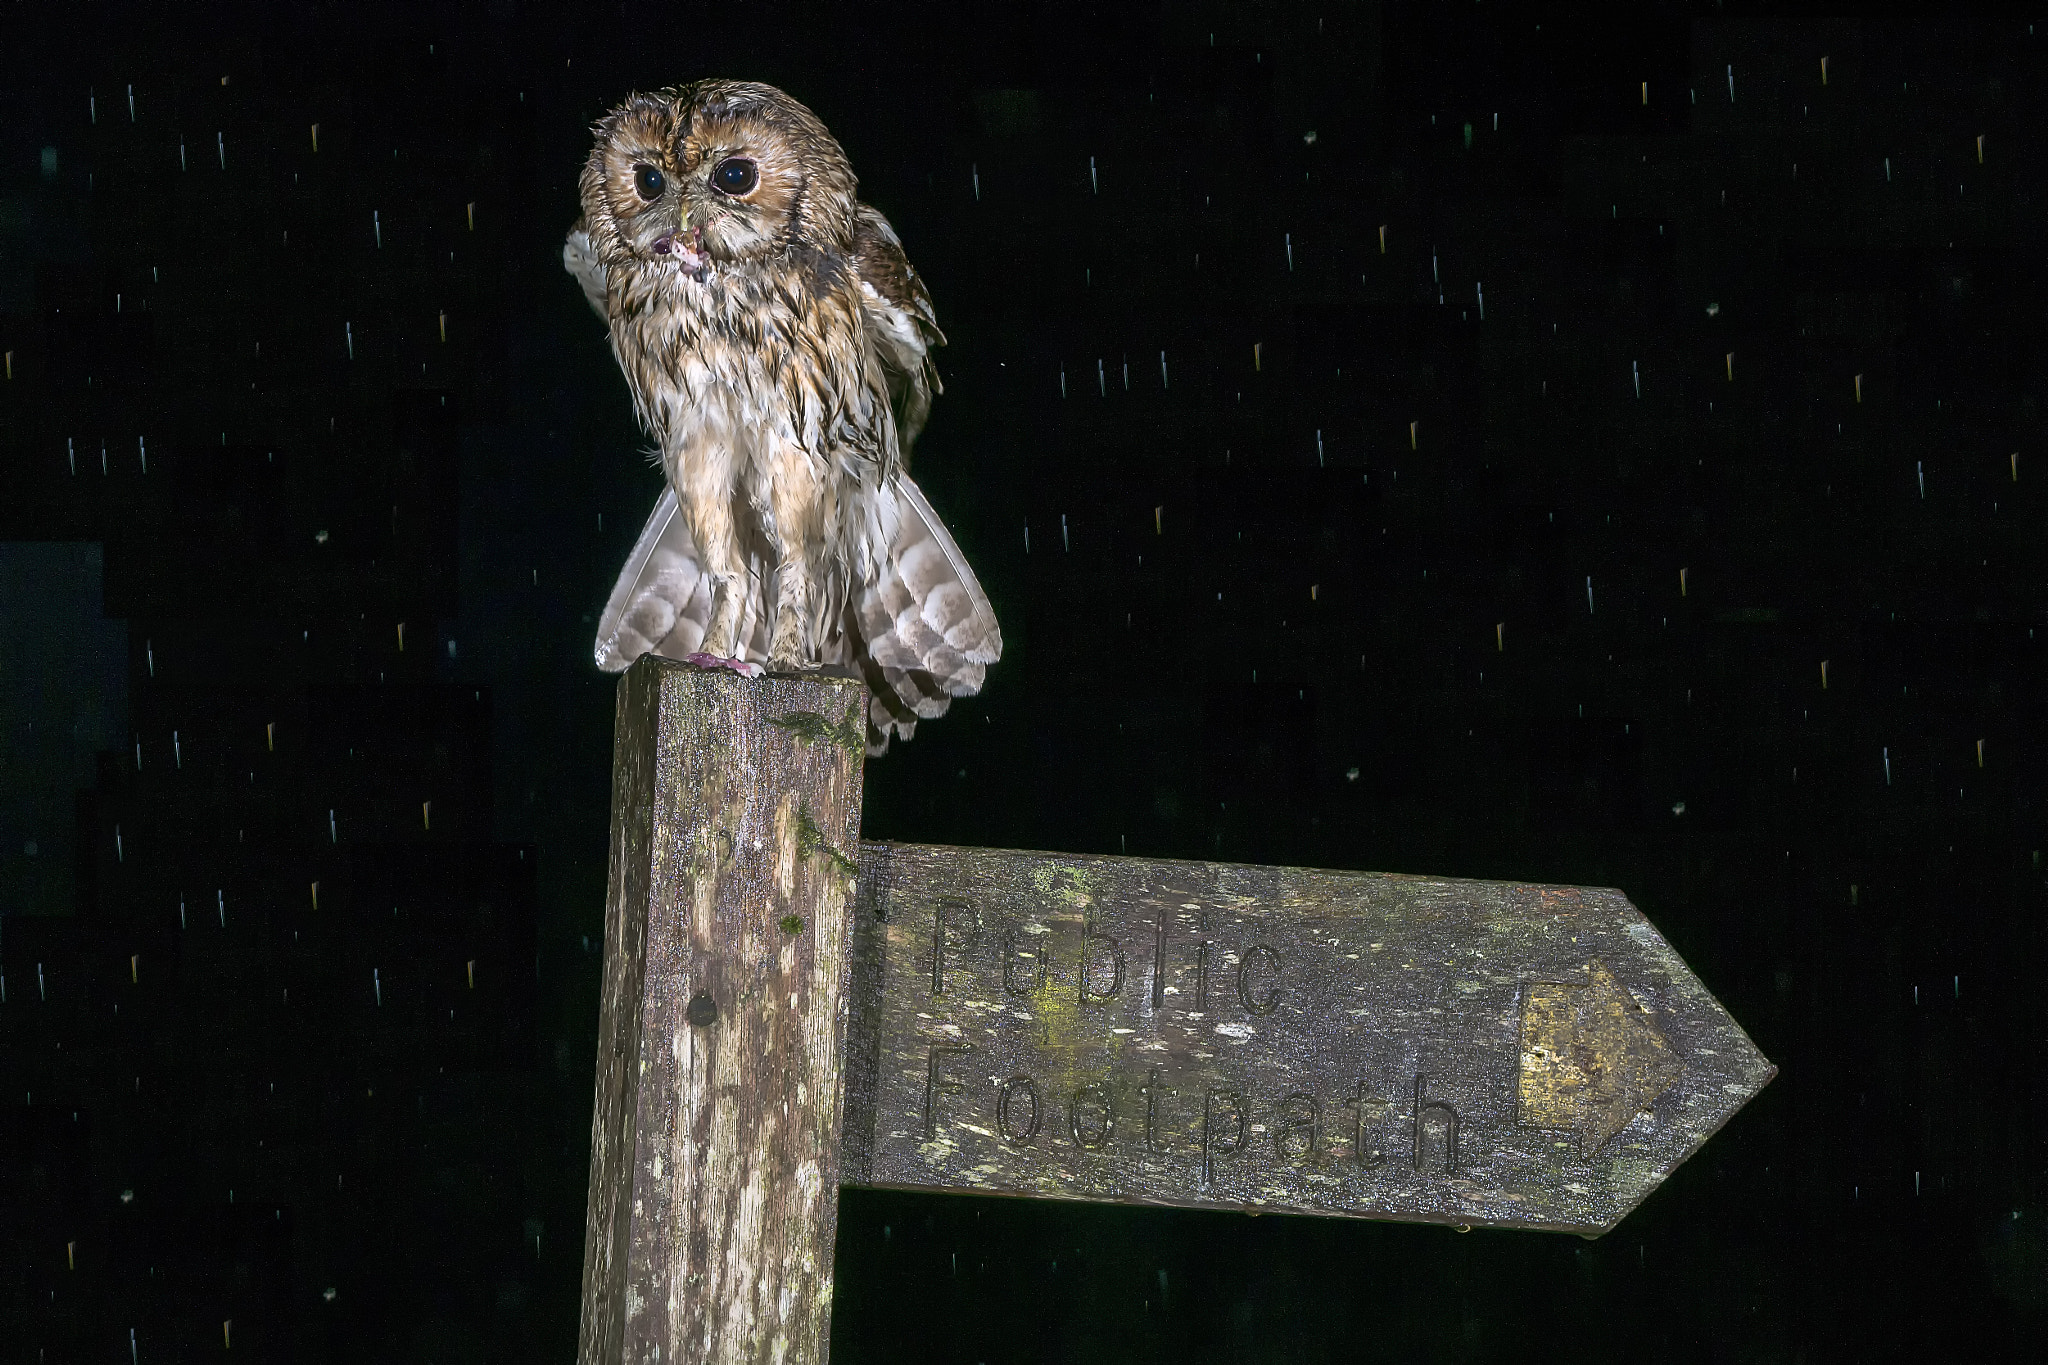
1591	1058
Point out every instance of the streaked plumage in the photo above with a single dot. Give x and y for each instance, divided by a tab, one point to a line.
777	344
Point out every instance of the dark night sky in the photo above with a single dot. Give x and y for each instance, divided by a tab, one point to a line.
1784	341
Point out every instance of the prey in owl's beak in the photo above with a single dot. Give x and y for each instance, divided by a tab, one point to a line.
686	246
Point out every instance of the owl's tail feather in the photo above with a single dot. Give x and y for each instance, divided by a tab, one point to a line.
921	634
662	601
928	629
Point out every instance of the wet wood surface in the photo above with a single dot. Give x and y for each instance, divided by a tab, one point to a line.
1211	1035
714	1174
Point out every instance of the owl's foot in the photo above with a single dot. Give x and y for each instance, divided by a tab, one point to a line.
739	666
721	632
786	655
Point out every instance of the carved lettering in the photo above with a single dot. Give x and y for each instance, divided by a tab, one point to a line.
1435	1115
1004	1099
1091	936
955	926
1294	1133
934	1086
1033	978
1214	1144
1369	1157
1151	1089
1266	1003
1099	1097
1159	958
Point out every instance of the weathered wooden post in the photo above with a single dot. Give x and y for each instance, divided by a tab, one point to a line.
714	1168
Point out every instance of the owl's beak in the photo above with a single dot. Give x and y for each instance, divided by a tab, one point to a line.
687	246
669	241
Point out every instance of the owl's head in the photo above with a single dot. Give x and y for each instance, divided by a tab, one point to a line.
714	173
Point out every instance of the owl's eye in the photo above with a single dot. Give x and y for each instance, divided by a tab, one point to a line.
648	181
734	175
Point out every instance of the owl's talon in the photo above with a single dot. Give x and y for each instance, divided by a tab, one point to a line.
739	666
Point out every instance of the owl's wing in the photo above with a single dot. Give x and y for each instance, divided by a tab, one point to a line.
579	258
900	322
662	601
927	627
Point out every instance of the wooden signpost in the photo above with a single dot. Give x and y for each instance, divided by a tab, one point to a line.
1060	1027
714	1161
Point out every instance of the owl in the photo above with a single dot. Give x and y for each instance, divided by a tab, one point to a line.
778	347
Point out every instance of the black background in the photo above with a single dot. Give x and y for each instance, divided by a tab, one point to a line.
360	1130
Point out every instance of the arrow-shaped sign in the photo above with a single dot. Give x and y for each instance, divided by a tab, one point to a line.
1207	1035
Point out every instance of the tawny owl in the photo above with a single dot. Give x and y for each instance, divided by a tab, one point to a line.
778	348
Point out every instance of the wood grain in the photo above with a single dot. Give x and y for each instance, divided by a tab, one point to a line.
714	1170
